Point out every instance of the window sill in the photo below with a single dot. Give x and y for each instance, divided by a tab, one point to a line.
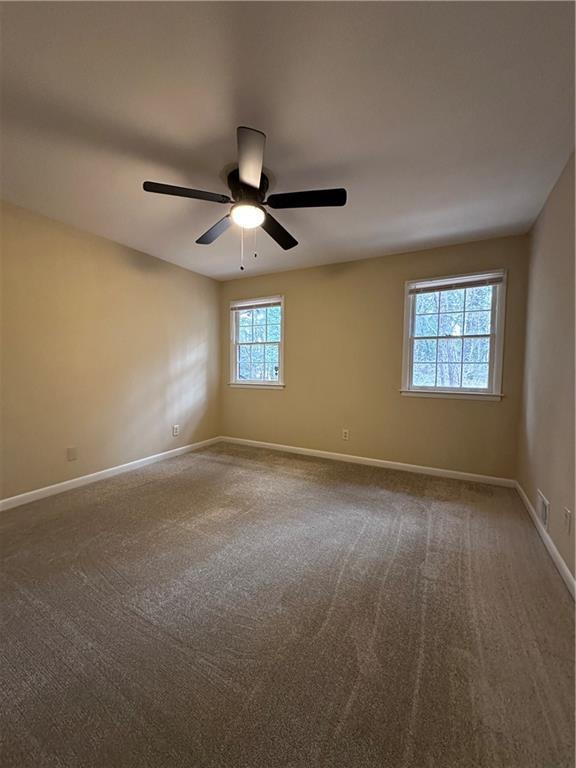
248	385
453	395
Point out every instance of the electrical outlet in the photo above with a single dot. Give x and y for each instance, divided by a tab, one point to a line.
175	430
567	520
345	434
72	453
543	509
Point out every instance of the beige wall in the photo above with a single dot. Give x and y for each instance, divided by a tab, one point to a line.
343	355
546	446
103	348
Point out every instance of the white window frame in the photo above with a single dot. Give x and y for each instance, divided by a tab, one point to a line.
257	384
494	389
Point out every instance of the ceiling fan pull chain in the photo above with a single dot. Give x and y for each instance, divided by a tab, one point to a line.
255	233
242	250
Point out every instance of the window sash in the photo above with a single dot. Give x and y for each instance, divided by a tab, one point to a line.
264	363
461	363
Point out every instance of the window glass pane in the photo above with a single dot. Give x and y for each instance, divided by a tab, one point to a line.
245	317
448	375
271	371
452	324
273	332
259	333
424	350
244	370
272	353
257	371
273	315
450	350
260	316
244	353
476	350
426	303
423	375
479	298
452	301
426	325
258	353
245	334
477	322
475	375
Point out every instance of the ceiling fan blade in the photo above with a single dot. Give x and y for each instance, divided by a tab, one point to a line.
196	194
278	233
314	198
250	155
218	229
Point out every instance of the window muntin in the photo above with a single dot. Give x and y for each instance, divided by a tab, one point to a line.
257	341
453	339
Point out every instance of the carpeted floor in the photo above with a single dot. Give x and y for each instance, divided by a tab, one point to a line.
239	608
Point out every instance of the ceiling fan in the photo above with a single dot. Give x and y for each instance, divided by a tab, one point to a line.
248	188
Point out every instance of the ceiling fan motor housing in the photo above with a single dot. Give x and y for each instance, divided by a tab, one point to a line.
243	192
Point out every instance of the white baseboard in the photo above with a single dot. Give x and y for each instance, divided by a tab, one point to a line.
417	468
436	472
557	558
76	482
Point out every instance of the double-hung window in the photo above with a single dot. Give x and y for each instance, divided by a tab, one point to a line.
256	342
454	335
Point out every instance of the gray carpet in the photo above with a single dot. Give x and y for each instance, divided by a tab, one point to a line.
242	608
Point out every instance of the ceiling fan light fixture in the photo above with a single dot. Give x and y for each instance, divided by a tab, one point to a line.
247	215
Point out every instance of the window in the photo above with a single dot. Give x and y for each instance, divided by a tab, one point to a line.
256	335
453	335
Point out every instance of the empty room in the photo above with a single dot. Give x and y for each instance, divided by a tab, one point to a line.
287	385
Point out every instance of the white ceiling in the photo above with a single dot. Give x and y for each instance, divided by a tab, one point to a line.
446	122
